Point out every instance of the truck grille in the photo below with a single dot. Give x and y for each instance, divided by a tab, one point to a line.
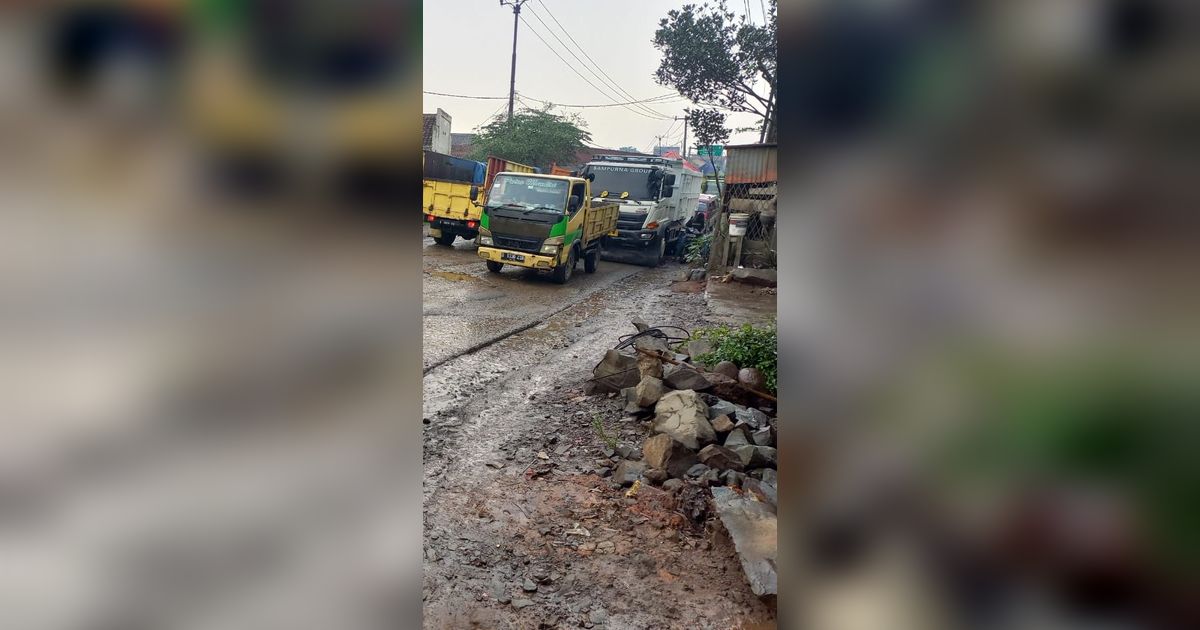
517	243
629	224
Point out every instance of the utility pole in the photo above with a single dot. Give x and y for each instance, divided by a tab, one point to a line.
683	149
658	147
512	80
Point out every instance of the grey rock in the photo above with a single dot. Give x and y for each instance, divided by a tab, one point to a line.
626	451
696	275
754	529
756	456
711	477
672	485
753	417
737	437
615	372
757	277
697	470
529	586
720	458
733	478
640	324
684	416
598	616
628	471
761	437
630	396
521	603
663	452
727	368
771	477
686	378
722	408
649	366
648	391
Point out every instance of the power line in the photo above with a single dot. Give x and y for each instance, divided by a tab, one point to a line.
585	79
658	99
481	98
642	108
589	57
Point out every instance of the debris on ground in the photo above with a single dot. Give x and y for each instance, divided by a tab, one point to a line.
709	449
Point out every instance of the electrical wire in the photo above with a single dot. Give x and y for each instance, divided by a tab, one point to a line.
585	79
657	99
611	81
481	98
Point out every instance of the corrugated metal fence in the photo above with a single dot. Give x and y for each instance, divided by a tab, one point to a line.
751	187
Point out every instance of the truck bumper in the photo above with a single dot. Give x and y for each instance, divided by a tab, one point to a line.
630	239
464	228
531	261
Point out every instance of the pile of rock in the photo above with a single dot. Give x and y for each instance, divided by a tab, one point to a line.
700	434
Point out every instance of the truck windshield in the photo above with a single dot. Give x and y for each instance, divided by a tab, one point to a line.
530	193
616	179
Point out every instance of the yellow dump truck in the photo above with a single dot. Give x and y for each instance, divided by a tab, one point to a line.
543	222
450	207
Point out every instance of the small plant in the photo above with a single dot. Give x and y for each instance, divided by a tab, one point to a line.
598	425
697	248
746	346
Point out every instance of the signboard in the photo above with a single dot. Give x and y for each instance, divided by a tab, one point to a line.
715	150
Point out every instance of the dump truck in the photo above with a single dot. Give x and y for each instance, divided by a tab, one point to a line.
451	187
544	222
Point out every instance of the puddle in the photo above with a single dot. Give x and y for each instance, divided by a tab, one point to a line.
457	276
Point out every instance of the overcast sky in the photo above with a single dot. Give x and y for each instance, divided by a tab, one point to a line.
468	50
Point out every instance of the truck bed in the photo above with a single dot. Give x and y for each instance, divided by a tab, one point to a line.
600	220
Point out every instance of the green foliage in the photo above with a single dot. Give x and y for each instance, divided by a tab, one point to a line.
709	127
698	248
716	58
747	346
533	137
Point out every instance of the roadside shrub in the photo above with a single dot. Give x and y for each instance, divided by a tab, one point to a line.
747	346
697	248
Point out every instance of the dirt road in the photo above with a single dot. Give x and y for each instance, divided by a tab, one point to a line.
522	529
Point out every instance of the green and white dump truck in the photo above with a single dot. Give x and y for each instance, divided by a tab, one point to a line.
544	222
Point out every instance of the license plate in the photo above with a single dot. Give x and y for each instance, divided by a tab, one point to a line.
515	257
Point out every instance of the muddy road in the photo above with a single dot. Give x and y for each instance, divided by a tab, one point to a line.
522	527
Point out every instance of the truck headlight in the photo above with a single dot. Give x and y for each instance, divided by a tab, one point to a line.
551	245
485	240
646	236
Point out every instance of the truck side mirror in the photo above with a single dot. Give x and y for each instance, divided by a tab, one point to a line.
474	193
591	177
667	191
669	179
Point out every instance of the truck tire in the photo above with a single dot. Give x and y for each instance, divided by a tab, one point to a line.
562	273
445	239
591	260
494	266
656	252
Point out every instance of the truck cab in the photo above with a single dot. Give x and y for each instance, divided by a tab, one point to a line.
656	196
543	222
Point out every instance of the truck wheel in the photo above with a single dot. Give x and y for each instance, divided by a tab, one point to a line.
494	266
591	260
656	252
444	239
562	273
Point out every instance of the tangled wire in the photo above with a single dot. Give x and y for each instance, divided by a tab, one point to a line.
657	331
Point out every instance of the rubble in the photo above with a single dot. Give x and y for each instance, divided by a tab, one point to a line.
752	377
680	377
726	368
613	373
628	471
737	437
722	424
756	456
762	437
663	452
721	458
756	277
684	416
648	391
753	527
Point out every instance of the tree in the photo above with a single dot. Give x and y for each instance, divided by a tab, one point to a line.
535	137
708	125
714	58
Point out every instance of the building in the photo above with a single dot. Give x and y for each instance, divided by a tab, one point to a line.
750	187
435	134
462	144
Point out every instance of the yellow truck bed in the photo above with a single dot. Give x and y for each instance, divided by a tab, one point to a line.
600	220
448	200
